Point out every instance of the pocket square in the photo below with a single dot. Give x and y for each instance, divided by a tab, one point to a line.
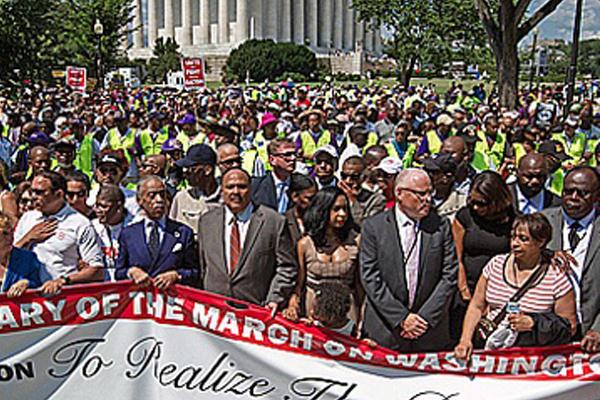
177	247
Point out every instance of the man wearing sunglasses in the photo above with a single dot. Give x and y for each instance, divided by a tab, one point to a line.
576	228
78	189
271	189
64	240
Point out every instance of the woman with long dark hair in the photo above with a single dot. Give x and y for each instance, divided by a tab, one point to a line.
327	253
301	191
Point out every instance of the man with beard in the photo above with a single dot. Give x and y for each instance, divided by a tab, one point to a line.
576	228
157	250
528	192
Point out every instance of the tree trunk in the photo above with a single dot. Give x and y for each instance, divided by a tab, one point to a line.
406	72
507	65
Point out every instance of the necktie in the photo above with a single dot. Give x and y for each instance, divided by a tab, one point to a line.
411	262
574	238
234	246
153	241
282	199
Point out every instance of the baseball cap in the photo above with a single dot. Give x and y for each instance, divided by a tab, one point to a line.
329	149
554	148
198	154
444	119
442	163
389	165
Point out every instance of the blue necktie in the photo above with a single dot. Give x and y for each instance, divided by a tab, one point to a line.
282	199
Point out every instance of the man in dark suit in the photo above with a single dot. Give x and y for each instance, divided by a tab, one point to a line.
245	250
156	250
408	269
271	190
576	228
528	193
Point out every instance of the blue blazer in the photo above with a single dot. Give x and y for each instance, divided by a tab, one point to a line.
23	264
177	252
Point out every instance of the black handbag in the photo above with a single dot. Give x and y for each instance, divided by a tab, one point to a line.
485	327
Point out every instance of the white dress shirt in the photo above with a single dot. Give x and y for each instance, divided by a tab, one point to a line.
243	220
584	231
404	224
149	223
108	236
530	205
74	239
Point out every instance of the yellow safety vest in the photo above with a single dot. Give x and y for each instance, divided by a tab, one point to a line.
309	146
484	155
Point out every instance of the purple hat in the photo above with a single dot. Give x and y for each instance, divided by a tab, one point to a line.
38	137
171	144
187	119
267	119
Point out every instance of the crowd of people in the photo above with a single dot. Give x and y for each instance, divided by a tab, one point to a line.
413	219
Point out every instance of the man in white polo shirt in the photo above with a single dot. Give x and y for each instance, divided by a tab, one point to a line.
63	239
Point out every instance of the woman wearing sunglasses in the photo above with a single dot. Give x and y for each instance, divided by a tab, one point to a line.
481	231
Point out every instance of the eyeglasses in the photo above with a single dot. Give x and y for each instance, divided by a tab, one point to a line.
38	192
479	203
289	154
580	192
353	177
81	193
231	161
419	193
109	170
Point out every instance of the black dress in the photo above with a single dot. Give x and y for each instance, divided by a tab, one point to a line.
483	240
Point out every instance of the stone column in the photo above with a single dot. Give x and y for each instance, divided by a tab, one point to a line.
271	20
359	37
338	24
368	36
152	24
186	22
169	20
326	24
241	24
286	18
313	22
298	14
378	46
259	18
204	21
138	38
223	36
349	26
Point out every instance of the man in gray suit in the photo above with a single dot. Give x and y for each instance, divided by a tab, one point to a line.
245	250
576	229
408	268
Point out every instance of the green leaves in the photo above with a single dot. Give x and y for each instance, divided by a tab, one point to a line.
166	57
265	59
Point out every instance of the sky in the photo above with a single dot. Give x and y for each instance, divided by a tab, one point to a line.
559	25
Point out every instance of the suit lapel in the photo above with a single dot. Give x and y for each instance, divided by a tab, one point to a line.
256	222
393	240
169	240
271	190
219	227
594	244
141	230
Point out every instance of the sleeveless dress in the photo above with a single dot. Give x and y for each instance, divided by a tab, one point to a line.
344	272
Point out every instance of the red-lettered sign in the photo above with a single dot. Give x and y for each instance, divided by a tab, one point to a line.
193	72
76	78
114	340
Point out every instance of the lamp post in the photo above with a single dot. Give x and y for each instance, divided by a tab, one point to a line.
574	52
533	65
99	31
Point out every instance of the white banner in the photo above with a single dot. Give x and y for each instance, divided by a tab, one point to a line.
116	342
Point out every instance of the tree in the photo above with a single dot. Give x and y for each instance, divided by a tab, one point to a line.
265	59
166	57
424	31
27	31
79	45
506	23
589	57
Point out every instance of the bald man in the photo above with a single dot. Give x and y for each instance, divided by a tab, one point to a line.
39	160
408	269
459	150
228	156
529	192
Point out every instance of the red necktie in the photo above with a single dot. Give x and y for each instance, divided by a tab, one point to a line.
234	246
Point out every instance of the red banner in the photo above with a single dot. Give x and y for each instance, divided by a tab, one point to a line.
193	72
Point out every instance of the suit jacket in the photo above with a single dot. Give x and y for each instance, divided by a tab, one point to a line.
22	264
177	252
267	267
550	199
264	192
383	277
590	276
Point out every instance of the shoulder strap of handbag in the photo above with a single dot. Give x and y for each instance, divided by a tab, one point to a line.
529	283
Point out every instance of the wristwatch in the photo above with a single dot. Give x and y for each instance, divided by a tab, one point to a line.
66	279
